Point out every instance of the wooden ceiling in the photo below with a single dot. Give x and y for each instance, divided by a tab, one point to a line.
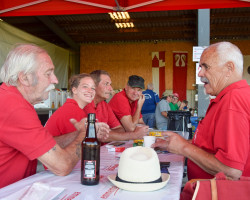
69	31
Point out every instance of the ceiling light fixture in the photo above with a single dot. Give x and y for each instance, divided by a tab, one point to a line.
119	15
125	25
121	19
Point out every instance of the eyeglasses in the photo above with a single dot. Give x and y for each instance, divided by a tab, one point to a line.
204	66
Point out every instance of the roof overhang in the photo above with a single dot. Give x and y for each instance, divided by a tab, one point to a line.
65	7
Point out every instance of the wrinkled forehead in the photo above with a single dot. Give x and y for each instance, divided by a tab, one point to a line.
209	54
44	61
105	78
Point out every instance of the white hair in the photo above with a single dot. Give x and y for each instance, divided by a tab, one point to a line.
229	52
150	86
23	58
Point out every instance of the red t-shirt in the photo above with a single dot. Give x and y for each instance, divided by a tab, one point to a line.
103	113
59	124
225	130
22	137
121	106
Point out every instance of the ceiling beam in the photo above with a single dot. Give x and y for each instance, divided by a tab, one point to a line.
229	15
59	32
133	30
231	33
163	19
238	26
136	37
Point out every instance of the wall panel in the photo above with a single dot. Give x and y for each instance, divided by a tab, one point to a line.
124	59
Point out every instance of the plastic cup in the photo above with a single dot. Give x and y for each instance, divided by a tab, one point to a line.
148	141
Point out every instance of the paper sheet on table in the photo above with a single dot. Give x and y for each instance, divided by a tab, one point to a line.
37	191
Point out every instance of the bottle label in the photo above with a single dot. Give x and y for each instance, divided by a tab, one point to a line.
89	169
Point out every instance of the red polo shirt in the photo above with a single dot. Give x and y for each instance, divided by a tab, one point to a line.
225	130
121	105
103	113
59	124
22	137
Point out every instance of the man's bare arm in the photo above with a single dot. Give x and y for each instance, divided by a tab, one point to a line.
138	133
208	162
66	139
61	161
164	113
211	164
129	122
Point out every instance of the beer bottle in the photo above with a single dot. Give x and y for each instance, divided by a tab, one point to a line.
90	161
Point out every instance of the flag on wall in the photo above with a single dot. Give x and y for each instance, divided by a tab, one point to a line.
158	71
180	74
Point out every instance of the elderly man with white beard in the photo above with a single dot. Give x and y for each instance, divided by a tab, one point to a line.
221	140
28	76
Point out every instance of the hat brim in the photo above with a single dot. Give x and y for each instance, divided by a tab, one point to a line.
137	86
146	187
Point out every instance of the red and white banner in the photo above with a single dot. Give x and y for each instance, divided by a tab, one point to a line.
180	74
158	71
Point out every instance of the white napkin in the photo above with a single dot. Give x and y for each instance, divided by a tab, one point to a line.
37	191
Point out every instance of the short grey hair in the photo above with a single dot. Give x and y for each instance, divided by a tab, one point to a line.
22	58
96	75
229	52
150	86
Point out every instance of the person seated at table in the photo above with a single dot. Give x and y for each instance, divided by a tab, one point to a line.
221	141
104	112
184	105
127	104
149	106
82	92
174	103
161	112
28	76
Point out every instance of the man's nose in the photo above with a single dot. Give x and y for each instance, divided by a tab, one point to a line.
137	92
201	72
54	80
110	88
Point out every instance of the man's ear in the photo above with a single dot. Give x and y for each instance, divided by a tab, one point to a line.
24	79
126	87
230	68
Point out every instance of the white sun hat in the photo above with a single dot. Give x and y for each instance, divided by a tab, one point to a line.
139	170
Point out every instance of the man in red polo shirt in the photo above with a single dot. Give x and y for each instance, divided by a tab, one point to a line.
104	112
221	141
128	103
28	76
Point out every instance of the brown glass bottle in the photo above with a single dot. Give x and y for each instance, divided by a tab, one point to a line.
90	162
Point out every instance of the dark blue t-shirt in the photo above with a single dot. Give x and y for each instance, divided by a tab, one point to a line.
151	98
